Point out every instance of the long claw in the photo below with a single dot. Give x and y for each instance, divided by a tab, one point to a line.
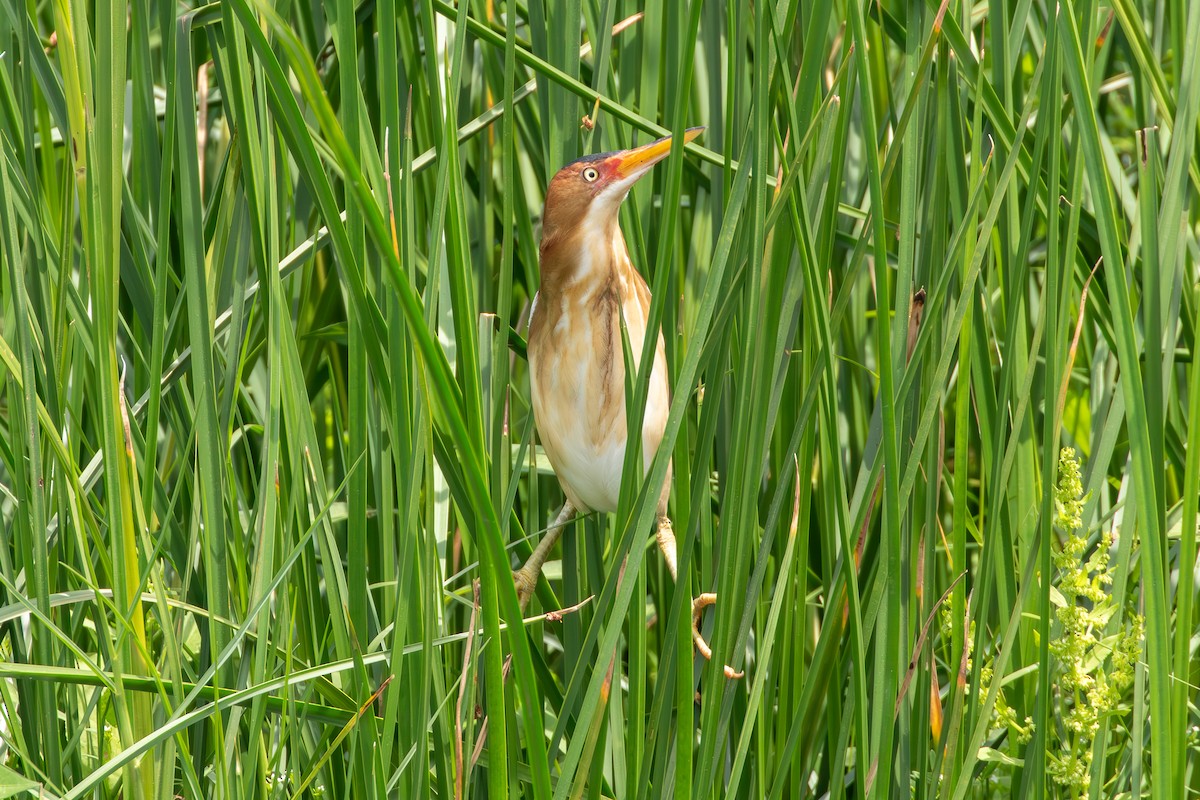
666	543
698	605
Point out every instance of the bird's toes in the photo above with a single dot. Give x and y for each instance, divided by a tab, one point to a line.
525	586
698	605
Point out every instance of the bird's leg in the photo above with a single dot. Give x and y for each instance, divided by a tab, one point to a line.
665	535
526	577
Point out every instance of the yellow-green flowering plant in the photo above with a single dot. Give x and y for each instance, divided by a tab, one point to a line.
1084	689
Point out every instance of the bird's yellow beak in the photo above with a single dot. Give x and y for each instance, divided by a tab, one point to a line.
639	159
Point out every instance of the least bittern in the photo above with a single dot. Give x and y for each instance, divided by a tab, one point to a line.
576	355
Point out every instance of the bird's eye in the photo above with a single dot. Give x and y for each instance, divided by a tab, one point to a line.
590	174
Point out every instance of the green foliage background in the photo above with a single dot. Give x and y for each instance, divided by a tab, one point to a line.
265	268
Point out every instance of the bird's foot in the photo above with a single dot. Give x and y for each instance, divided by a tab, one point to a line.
526	578
666	543
698	605
526	582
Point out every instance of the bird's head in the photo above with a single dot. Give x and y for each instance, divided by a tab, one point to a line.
585	195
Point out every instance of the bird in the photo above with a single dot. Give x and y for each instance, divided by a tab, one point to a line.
588	286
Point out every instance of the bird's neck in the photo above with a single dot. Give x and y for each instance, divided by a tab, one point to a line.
588	254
